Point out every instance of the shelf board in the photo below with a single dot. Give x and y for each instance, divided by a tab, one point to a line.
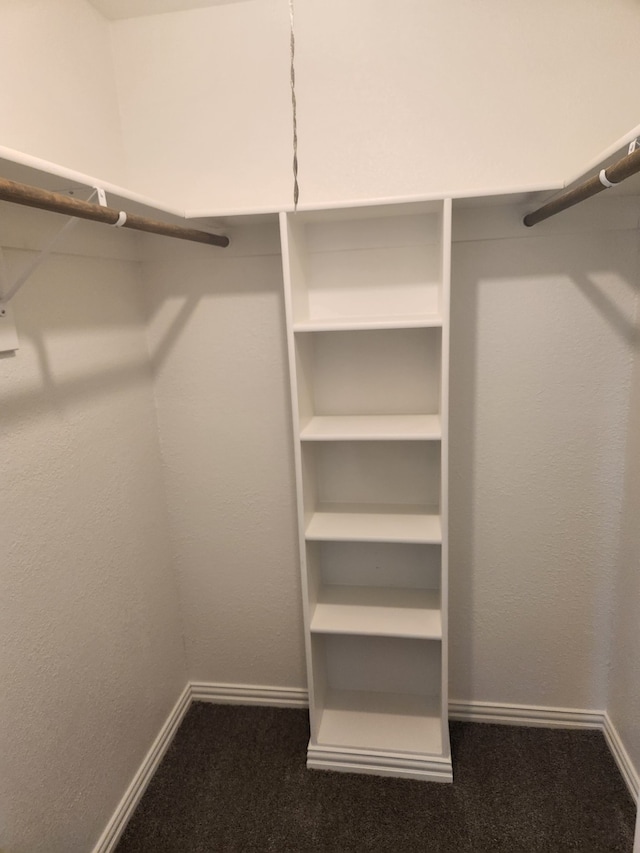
393	722
374	523
372	428
378	611
338	324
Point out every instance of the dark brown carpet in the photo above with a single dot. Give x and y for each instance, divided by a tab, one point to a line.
234	779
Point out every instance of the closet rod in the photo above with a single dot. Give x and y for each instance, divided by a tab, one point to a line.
609	177
57	203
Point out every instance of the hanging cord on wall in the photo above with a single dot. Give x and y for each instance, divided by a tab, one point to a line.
296	190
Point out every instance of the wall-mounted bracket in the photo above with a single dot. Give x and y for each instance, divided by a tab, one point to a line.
634	145
8	291
8	334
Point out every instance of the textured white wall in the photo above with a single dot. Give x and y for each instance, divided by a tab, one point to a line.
206	105
540	378
219	350
624	686
91	659
541	373
58	96
395	97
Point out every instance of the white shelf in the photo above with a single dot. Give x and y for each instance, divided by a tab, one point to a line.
358	523
393	722
378	611
340	324
372	428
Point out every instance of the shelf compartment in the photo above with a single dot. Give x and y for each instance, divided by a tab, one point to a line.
373	564
349	523
364	264
388	722
378	693
380	372
397	473
378	611
372	428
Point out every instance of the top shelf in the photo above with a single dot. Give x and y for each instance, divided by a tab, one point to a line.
365	269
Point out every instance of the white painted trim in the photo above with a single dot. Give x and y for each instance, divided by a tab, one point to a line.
430	769
57	170
526	715
549	718
249	694
621	757
143	775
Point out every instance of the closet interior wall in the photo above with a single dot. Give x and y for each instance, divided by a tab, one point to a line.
542	334
61	103
91	657
218	350
395	100
624	679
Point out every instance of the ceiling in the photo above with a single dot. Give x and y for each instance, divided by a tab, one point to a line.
114	9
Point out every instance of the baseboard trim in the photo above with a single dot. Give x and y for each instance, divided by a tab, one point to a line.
426	768
621	757
249	694
141	779
526	715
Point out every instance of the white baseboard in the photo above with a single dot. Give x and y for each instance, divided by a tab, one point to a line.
621	757
526	715
141	779
249	694
549	718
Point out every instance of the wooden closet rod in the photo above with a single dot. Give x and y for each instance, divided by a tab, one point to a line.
616	173
45	200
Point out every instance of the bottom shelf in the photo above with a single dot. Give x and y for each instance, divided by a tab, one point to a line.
388	722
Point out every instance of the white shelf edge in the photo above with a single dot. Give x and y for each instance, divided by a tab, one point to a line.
372	428
378	611
63	172
21	158
348	324
383	201
372	524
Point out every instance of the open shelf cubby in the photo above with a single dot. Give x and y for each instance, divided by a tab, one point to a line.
384	383
378	693
376	589
367	301
359	490
362	267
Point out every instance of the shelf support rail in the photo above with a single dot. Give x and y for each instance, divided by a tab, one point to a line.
79	209
614	174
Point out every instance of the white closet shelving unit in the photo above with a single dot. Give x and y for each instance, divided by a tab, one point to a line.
367	302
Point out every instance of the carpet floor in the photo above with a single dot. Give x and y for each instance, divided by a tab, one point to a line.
234	779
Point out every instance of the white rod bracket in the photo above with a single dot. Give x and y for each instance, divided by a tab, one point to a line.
8	334
102	196
7	292
633	145
604	180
